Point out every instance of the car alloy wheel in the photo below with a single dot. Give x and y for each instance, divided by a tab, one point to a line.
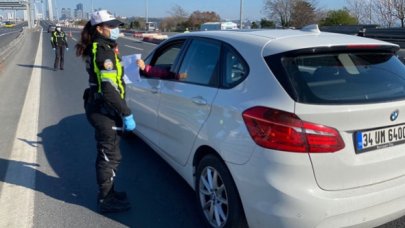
213	197
217	194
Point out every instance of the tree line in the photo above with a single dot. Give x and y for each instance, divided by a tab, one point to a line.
177	21
296	13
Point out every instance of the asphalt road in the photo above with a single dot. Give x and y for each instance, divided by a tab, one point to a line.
64	191
7	35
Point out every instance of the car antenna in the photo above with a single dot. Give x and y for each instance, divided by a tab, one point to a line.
311	28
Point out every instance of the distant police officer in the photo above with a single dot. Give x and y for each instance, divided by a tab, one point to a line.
105	104
59	44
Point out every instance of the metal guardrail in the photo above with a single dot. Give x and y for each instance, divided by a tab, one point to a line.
13	5
393	35
396	36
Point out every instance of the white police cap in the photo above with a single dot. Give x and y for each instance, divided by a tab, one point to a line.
104	17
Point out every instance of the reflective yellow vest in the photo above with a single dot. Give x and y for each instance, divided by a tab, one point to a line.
112	76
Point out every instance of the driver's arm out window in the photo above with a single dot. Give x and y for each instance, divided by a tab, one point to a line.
162	62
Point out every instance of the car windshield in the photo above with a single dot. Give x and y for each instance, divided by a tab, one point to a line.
342	77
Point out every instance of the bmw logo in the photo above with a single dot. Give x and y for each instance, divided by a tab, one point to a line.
394	115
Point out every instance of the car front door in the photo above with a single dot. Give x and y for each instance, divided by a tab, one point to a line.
143	97
185	103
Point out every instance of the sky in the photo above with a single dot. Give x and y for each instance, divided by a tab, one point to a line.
227	9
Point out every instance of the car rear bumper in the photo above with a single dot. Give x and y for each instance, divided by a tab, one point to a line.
278	189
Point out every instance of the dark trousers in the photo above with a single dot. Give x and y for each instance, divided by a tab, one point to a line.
59	56
108	140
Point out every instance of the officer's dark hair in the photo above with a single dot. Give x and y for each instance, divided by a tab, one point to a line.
86	39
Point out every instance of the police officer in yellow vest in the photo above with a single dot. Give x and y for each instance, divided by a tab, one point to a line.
105	104
59	45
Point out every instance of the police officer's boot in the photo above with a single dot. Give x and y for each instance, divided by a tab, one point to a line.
121	195
114	202
118	195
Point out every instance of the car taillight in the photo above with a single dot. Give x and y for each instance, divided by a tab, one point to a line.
279	130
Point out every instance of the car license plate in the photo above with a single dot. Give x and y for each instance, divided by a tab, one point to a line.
379	138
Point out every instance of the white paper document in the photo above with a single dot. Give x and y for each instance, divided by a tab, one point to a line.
131	69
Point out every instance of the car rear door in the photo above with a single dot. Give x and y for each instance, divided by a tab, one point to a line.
186	103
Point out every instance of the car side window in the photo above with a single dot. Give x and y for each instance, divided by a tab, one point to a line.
200	64
166	57
235	69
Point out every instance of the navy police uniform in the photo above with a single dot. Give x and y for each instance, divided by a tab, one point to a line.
59	43
105	106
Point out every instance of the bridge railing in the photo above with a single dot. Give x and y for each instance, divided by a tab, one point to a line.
14	5
393	35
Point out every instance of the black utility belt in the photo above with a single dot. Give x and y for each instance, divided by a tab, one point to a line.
91	95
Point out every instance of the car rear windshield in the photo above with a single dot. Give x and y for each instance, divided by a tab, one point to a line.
340	75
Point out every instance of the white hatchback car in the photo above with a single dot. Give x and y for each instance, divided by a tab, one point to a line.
280	128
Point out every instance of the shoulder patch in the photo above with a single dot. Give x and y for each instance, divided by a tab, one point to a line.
108	64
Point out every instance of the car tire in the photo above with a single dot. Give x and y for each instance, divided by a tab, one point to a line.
218	198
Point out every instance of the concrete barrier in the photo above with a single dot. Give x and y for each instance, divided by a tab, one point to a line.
153	40
142	35
138	35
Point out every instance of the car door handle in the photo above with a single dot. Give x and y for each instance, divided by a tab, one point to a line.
154	90
199	100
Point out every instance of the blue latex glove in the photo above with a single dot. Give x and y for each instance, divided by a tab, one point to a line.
67	49
54	49
129	123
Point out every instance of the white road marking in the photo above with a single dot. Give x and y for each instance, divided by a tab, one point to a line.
9	33
17	195
133	47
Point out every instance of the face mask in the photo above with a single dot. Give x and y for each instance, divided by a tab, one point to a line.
58	29
114	33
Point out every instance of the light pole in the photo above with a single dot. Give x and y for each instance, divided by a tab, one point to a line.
146	11
240	16
56	9
50	10
369	5
29	12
